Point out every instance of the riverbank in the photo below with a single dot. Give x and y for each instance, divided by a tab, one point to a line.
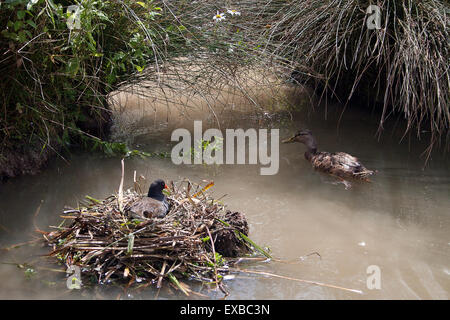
24	160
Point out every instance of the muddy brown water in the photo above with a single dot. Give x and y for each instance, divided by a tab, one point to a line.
400	222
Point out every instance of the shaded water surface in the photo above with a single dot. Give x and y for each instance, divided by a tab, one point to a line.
400	222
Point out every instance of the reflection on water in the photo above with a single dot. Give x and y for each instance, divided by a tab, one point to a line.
399	222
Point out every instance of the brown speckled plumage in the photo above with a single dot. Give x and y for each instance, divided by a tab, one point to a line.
339	164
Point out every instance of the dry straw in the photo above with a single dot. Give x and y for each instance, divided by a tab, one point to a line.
189	242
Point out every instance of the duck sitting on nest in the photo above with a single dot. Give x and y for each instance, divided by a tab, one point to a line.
154	205
339	164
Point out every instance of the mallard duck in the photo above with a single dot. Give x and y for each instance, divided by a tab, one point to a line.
153	205
339	164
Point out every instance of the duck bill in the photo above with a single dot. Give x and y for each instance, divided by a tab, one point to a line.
289	140
166	187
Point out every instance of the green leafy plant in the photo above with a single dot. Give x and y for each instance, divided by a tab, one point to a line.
55	77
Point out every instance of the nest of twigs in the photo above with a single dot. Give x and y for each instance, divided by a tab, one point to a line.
191	241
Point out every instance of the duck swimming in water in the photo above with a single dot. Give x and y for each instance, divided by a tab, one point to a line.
339	164
154	205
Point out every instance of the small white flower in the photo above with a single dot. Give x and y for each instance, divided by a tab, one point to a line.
31	3
219	17
234	12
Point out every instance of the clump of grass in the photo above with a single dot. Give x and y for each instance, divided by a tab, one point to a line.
403	66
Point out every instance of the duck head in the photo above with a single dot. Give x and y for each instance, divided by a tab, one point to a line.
156	188
304	136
